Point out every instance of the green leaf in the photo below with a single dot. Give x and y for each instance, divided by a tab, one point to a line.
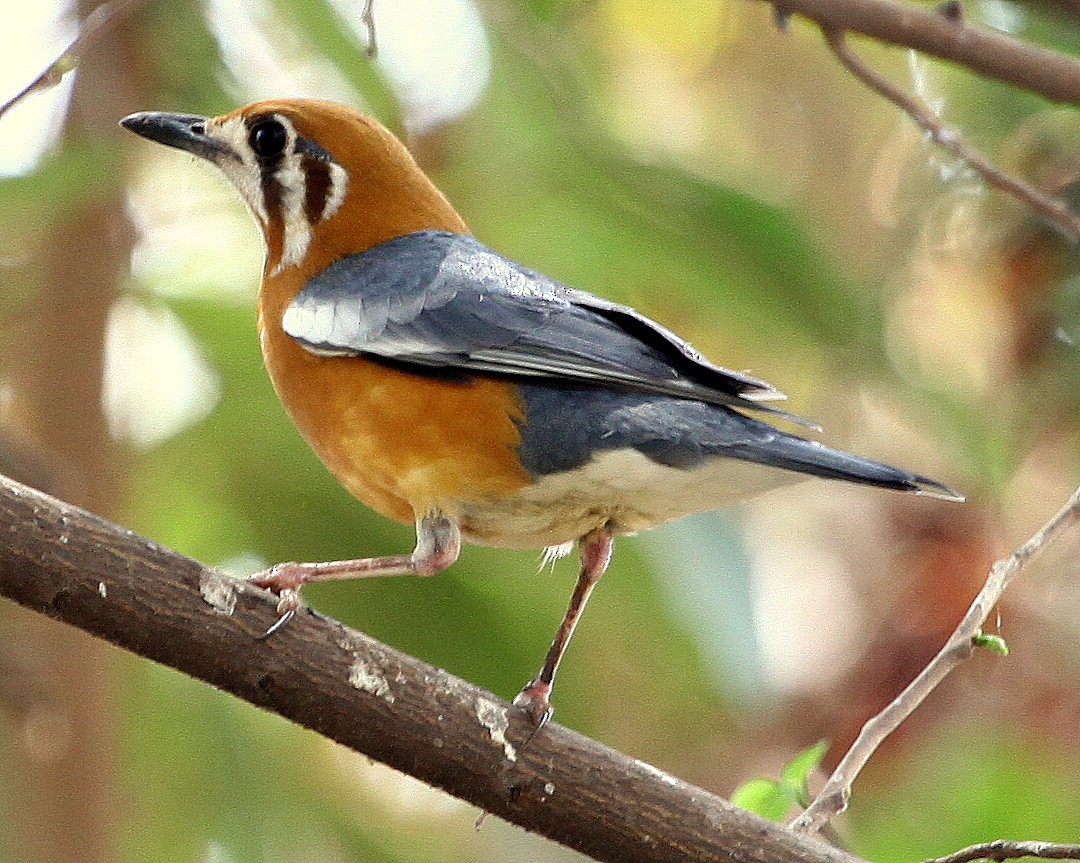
764	797
771	798
797	771
993	643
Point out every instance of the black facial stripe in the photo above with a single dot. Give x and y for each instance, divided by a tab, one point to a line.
308	147
272	192
318	184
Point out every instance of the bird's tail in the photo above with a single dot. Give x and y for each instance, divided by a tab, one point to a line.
810	457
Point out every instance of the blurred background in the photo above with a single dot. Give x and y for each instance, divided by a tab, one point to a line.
688	158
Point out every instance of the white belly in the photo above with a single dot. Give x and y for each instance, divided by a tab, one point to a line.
621	488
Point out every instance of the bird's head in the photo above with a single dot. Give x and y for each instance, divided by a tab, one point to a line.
322	180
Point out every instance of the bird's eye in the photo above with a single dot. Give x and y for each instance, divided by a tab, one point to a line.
267	138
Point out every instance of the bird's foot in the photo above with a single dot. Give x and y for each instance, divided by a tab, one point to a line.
534	702
284	580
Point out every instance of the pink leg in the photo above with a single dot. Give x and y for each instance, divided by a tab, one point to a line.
596	547
438	543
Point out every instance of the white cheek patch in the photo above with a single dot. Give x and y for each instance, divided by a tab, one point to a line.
242	171
339	185
295	226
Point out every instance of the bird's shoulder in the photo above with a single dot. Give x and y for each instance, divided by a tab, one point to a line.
437	299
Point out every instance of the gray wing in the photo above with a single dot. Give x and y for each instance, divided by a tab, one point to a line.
444	300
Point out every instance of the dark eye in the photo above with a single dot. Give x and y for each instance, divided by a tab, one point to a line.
267	138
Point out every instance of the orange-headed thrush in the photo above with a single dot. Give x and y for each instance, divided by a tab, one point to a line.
446	385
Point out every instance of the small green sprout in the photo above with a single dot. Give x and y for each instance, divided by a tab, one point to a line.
993	643
773	798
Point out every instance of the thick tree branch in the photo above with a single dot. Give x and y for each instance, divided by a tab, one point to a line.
961	644
988	52
73	566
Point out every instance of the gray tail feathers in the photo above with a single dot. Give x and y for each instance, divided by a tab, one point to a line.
810	457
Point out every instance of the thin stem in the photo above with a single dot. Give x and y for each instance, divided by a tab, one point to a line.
1052	209
93	27
1002	849
834	796
367	18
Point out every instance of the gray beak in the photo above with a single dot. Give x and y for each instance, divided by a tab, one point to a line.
183	131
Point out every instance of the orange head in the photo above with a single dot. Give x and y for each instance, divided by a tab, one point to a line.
324	182
321	179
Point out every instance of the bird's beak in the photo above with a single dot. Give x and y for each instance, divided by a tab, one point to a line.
183	131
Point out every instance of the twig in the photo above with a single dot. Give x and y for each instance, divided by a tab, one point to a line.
367	18
834	796
93	27
1054	210
1051	74
1003	849
66	563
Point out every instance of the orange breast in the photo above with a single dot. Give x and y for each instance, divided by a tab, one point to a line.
403	444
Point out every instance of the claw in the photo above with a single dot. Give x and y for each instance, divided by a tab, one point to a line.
280	622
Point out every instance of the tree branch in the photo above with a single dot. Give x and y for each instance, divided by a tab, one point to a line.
367	18
73	566
961	644
1002	849
988	52
1053	210
91	30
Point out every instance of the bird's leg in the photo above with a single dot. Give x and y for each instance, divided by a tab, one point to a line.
595	553
438	542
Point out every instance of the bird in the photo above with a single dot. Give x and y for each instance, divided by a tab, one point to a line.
447	386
